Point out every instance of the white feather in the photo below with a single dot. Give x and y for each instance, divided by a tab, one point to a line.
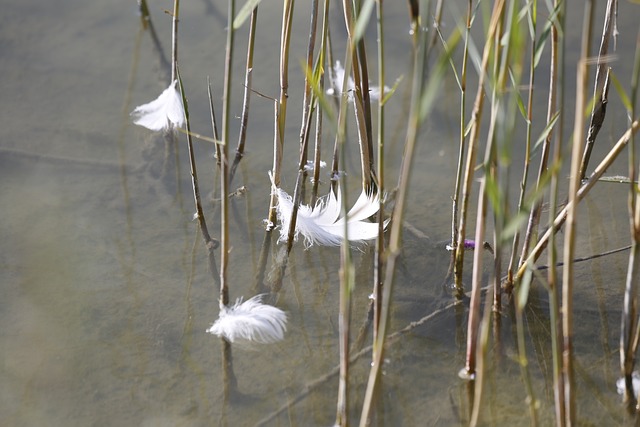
250	321
635	380
163	112
322	225
338	78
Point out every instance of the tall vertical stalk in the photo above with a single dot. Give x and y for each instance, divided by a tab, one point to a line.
570	234
601	86
224	164
629	332
285	39
423	96
532	17
346	268
461	150
242	137
322	60
556	97
476	116
360	99
174	40
469	369
379	255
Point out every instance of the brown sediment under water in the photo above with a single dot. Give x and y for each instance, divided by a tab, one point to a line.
106	293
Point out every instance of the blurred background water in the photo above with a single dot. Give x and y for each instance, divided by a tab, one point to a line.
106	294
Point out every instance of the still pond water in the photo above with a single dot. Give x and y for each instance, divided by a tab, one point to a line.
105	290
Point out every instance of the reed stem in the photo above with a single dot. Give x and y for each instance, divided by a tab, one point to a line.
601	88
224	161
242	137
629	330
281	113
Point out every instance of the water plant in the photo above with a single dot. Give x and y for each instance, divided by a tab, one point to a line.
507	53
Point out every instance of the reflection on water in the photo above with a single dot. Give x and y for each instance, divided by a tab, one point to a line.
106	294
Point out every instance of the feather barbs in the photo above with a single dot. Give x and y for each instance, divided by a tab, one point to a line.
321	224
250	321
163	112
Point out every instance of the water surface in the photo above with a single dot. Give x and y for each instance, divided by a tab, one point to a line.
105	289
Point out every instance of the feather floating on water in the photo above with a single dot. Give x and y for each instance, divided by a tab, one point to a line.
250	321
163	112
338	78
635	380
322	225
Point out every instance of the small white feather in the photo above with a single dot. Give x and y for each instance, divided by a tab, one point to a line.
250	321
338	78
635	380
163	112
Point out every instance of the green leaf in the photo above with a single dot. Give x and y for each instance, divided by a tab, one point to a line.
523	289
519	99
547	130
390	92
244	13
314	81
434	84
363	19
540	44
621	93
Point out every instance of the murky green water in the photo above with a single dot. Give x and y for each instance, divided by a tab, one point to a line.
105	289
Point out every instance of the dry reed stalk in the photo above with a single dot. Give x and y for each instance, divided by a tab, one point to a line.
323	52
244	118
214	124
474	133
285	41
532	18
224	160
304	129
346	269
210	243
556	81
595	176
423	97
601	88
629	330
378	270
552	115
570	229
461	149
174	42
360	99
474	315
229	379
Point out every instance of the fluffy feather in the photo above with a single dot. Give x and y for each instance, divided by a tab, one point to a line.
336	85
322	225
250	321
635	379
163	112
